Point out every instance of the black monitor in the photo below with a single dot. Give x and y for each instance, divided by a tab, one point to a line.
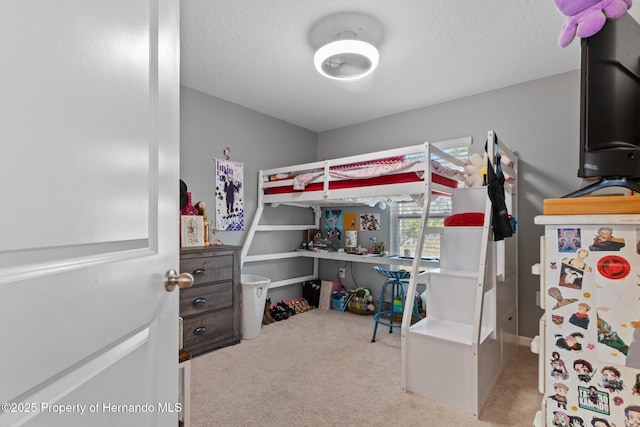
610	107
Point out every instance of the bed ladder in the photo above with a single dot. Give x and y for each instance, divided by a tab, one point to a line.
256	227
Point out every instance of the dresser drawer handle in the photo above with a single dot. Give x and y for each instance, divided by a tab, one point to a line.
199	271
200	330
199	302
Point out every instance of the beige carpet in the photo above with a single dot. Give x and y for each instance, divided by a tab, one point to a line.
320	368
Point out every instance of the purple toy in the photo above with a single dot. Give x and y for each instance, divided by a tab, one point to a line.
587	17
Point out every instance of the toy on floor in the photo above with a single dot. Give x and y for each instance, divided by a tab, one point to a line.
361	301
584	18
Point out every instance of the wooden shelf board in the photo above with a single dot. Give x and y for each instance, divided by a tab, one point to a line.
595	205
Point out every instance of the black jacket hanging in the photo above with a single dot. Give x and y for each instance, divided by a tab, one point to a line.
500	214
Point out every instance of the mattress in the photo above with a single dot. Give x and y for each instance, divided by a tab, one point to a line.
365	182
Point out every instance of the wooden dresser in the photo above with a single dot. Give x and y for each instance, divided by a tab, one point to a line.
211	307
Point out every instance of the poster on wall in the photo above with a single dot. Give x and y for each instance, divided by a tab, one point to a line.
229	195
333	225
351	221
370	222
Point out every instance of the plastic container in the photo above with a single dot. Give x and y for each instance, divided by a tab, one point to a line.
254	298
339	304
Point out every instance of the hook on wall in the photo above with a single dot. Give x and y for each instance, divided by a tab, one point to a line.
227	153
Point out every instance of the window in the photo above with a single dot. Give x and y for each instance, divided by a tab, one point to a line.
406	217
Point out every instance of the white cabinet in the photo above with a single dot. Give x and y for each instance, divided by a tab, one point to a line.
589	343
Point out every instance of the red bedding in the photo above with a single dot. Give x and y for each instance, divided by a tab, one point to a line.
354	183
467	219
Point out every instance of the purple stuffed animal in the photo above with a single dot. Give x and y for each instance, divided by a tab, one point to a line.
587	17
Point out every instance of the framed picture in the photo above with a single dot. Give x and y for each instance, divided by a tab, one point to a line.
352	238
191	230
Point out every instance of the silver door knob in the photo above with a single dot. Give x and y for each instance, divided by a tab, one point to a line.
172	278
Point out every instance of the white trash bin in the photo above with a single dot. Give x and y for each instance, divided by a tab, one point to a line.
254	297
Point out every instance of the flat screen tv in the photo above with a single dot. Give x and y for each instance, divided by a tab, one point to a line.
610	107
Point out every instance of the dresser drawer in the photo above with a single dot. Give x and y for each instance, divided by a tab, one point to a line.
211	308
200	299
206	268
214	326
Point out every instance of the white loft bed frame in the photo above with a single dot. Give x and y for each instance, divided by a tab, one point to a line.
344	197
491	294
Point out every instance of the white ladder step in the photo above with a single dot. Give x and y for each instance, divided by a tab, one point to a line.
461	333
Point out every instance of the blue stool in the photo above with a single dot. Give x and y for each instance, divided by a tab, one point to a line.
397	282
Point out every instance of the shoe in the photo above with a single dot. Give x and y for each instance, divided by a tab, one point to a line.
278	311
301	305
305	304
267	312
277	314
286	308
298	306
292	305
284	313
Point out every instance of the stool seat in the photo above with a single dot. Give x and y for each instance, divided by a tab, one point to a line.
398	274
396	285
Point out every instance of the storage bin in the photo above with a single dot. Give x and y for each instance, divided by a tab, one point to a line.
254	298
339	304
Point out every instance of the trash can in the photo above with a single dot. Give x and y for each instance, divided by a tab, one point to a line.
254	297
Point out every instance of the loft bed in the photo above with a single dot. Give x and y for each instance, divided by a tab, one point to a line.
457	352
400	171
377	178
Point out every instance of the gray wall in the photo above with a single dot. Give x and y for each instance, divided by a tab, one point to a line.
539	120
208	125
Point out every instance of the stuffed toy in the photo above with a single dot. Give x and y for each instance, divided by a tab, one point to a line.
587	17
475	170
361	300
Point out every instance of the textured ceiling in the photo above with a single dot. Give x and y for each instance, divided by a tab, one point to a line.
258	54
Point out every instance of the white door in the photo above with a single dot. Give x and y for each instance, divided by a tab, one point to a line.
89	161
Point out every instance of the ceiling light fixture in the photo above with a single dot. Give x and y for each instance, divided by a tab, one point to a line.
346	60
345	45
